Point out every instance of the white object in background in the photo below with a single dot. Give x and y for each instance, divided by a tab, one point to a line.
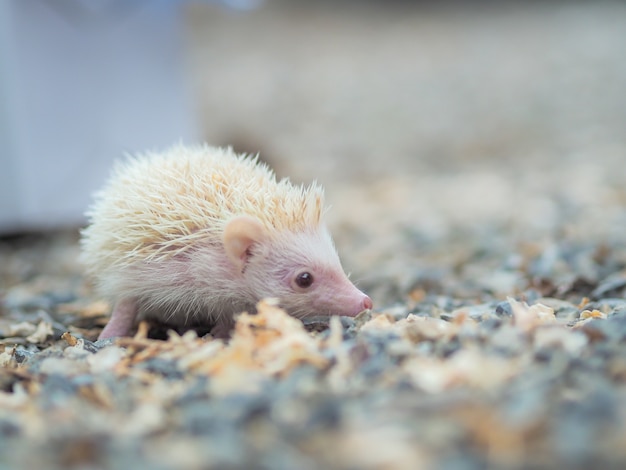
80	86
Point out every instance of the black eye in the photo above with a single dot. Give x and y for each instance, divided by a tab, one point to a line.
304	280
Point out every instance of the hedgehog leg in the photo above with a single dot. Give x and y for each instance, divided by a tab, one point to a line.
122	320
223	328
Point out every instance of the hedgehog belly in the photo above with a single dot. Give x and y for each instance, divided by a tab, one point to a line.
180	313
184	290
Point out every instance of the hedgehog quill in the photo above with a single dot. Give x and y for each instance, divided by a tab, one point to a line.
194	235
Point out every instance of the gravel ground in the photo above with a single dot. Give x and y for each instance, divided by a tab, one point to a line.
473	159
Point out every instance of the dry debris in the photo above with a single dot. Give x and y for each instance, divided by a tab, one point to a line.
387	390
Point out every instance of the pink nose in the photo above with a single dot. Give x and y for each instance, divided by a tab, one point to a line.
367	303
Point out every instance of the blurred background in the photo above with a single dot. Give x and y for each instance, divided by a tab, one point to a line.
426	121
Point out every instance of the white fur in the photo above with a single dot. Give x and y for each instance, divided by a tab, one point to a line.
157	205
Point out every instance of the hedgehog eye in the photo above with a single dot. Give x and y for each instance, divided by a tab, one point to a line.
304	280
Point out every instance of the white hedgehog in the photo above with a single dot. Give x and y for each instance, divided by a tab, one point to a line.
195	235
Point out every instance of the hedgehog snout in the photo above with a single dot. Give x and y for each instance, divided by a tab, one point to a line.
350	301
363	303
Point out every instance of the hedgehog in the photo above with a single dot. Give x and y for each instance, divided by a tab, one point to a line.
195	235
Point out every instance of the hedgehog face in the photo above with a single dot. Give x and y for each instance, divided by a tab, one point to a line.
303	271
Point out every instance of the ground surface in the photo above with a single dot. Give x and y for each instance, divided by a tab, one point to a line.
473	160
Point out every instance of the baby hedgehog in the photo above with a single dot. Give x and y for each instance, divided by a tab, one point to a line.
195	235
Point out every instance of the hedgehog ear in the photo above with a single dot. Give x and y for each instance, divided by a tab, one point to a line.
240	234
